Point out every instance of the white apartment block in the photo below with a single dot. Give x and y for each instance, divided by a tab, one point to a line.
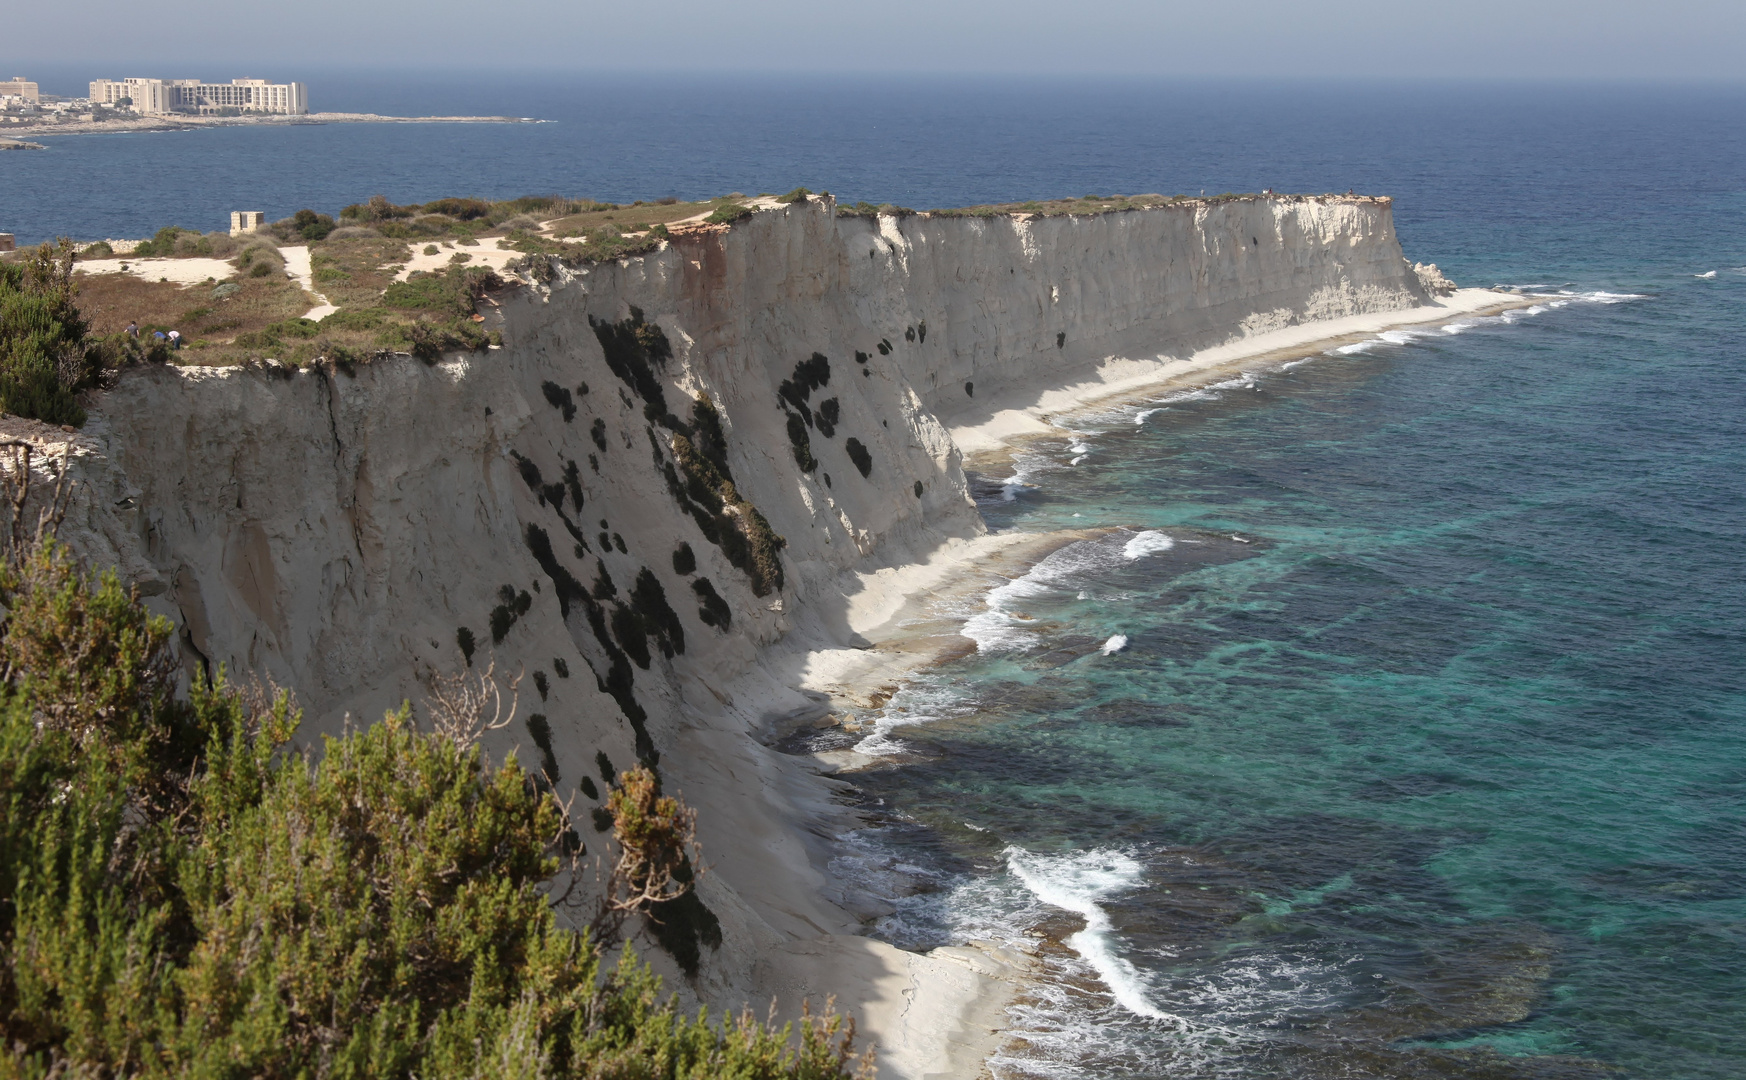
156	97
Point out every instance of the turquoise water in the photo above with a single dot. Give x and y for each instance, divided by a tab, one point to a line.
1425	753
1439	769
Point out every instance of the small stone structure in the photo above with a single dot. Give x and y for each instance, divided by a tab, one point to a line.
244	222
7	243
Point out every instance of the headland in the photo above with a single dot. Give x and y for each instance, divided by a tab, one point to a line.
75	125
758	412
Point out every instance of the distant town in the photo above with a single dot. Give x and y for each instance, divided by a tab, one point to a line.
22	101
138	104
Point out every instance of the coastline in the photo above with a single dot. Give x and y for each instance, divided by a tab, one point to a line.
195	123
943	1013
1026	411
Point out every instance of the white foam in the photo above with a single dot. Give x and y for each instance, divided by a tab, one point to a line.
1603	297
1145	414
917	703
1115	644
1077	883
1150	542
1711	274
1003	626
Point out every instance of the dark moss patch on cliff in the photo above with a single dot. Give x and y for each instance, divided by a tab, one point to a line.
559	397
684	925
826	417
703	487
511	607
860	455
684	560
540	731
530	473
649	600
619	681
794	394
801	441
573	483
811	374
634	349
712	610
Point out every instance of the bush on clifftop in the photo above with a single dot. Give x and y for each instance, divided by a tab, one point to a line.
45	355
184	894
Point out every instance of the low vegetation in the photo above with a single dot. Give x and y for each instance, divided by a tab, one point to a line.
46	354
358	261
186	892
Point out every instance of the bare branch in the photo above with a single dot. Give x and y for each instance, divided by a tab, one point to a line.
658	859
16	474
466	705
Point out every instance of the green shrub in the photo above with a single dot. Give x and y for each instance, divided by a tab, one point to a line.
99	250
461	209
162	245
377	209
728	213
306	225
799	194
45	354
188	896
353	319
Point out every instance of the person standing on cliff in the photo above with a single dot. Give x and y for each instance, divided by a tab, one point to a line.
132	330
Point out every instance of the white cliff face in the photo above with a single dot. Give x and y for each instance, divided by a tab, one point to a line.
334	530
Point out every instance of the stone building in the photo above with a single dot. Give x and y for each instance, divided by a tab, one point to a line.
244	222
157	97
20	87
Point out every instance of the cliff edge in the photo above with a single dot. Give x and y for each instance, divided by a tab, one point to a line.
674	479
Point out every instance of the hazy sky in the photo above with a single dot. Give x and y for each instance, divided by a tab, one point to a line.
1512	39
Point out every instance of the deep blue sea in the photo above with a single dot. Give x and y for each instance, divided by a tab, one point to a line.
1394	723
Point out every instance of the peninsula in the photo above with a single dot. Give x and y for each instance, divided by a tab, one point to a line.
88	124
685	465
141	104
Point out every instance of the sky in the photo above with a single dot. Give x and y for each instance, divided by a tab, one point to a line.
1560	40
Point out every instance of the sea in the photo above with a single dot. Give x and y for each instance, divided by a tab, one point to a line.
1388	716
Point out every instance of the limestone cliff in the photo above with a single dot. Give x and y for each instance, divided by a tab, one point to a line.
338	530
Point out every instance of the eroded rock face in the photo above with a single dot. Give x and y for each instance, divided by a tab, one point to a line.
1432	280
343	533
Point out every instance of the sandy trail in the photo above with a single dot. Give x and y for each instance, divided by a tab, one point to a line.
177	271
490	252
